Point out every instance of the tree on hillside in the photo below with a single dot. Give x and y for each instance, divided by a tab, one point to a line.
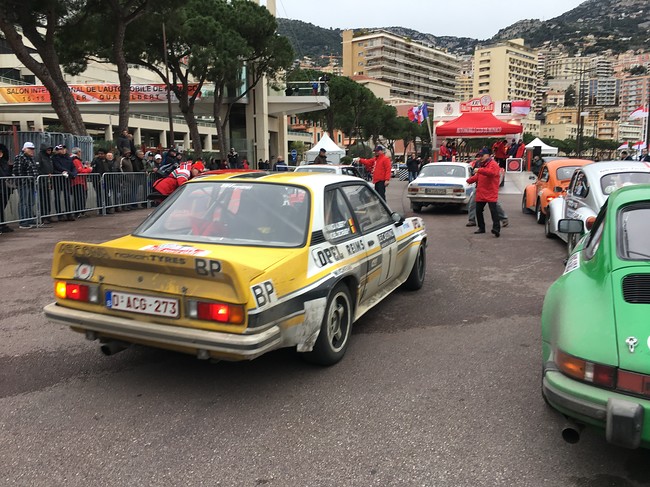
570	96
42	26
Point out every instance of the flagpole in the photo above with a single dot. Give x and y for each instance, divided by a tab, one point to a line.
647	127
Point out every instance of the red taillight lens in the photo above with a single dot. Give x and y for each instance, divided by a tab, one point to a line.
601	375
220	312
550	198
589	222
75	292
412	189
635	383
459	190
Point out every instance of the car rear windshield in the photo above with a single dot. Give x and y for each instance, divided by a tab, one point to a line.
611	182
232	213
565	172
634	232
443	171
316	169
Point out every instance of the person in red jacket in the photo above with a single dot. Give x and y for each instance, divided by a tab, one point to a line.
521	149
380	167
486	178
500	151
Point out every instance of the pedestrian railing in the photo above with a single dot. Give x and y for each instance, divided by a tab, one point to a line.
29	201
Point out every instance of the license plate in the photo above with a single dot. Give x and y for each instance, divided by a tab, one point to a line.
436	191
138	303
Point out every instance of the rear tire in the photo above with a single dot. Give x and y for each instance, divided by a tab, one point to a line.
335	330
539	216
547	225
415	279
524	208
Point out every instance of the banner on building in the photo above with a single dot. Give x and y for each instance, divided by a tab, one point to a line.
95	93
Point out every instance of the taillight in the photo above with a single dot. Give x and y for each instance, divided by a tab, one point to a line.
412	189
76	292
550	198
634	383
589	222
601	375
219	312
459	190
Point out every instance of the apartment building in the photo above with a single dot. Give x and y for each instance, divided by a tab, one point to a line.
505	71
465	79
604	91
635	93
415	71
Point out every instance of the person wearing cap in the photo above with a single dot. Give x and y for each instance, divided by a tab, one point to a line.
66	170
321	158
178	177
380	167
486	177
79	183
26	170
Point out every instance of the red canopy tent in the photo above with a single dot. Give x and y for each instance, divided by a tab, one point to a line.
477	124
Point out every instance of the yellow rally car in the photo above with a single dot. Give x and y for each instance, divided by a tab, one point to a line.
232	266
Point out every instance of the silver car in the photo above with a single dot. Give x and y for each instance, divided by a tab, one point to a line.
441	183
588	190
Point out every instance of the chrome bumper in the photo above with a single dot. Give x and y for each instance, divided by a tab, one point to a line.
245	347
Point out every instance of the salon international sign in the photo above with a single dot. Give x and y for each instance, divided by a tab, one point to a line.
95	93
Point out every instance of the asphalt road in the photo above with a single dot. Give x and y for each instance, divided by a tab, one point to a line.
440	387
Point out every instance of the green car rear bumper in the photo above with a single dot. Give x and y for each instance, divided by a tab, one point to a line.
622	417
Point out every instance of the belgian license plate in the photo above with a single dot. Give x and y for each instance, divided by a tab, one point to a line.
138	303
436	191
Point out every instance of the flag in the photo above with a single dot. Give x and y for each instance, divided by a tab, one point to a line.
424	113
414	114
520	107
641	112
419	113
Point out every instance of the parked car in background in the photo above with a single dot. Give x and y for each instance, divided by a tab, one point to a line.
589	188
551	181
441	183
595	345
330	169
232	266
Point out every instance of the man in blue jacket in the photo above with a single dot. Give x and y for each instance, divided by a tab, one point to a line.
65	170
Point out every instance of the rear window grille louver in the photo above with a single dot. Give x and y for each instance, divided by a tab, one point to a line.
317	237
636	288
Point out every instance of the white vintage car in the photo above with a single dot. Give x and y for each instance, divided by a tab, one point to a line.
588	190
441	183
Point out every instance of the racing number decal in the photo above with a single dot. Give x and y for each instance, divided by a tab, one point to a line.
264	294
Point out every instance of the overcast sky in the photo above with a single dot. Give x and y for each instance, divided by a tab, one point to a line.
478	19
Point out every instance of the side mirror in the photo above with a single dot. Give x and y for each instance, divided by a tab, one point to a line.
397	218
570	226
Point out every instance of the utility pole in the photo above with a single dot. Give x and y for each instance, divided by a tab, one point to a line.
580	115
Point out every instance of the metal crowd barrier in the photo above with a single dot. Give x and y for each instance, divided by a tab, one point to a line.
29	201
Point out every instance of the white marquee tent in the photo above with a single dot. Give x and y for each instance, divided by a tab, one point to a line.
333	151
546	149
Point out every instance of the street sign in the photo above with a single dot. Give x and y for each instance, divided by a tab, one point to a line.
294	154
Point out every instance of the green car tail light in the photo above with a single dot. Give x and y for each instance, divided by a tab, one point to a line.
583	370
633	382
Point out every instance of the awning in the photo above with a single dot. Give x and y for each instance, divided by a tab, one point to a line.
479	124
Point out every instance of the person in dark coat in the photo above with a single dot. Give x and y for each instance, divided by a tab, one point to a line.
6	187
66	170
321	158
45	168
486	177
412	166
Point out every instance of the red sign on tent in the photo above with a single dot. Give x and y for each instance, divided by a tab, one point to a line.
477	124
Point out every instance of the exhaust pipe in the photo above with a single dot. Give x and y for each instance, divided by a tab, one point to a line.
113	347
571	432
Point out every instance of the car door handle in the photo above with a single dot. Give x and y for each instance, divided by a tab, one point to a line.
371	243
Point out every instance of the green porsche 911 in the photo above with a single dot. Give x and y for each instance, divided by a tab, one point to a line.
596	325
